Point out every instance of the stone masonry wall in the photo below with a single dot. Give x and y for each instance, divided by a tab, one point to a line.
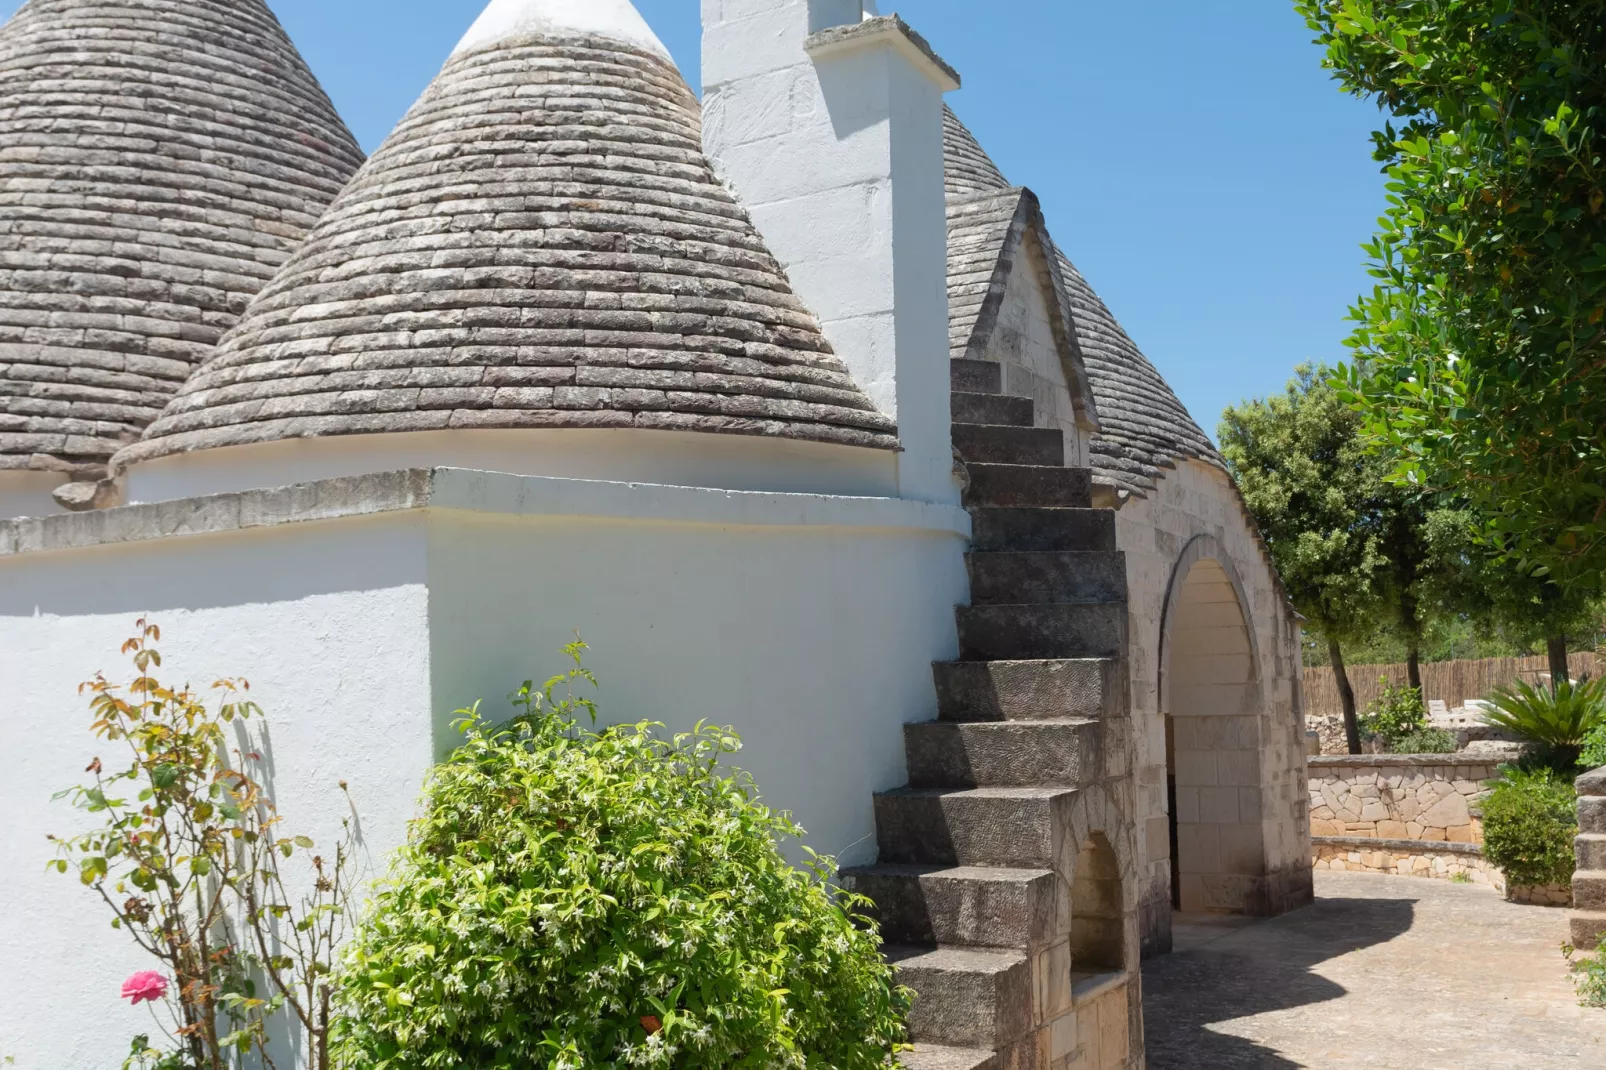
1589	882
1397	797
1197	499
1397	859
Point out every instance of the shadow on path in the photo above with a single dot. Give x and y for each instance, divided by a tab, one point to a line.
1262	967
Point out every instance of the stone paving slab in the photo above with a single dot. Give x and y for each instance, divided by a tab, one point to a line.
1385	973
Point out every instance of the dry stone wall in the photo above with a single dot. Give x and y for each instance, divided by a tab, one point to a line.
1398	797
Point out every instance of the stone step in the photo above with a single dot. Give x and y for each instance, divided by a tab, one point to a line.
969	905
1589	889
976	376
1003	754
1592	851
1028	529
1588	929
1001	578
1022	632
1030	485
991	409
1012	827
936	1057
966	998
1003	444
1592	813
1036	690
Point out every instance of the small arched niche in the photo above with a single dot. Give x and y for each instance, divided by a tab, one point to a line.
1098	923
1210	696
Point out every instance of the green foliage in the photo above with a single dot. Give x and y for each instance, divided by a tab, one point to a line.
1589	974
1530	821
1556	717
1308	479
1395	714
188	857
1594	752
1424	741
1483	345
574	898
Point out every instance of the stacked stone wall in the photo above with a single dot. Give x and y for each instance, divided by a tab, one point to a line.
1589	883
1398	797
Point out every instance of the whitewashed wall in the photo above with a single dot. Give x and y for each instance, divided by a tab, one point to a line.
809	623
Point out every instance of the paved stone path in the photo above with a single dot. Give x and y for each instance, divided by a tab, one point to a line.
1385	973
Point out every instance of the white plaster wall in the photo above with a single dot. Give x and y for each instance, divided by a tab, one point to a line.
815	643
839	162
28	494
1198	499
808	624
1023	342
673	458
329	624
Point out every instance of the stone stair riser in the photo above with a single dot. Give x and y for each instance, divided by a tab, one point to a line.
1003	444
969	999
1019	754
1025	530
1023	632
1029	485
1002	578
970	829
977	908
991	409
991	691
1591	851
976	376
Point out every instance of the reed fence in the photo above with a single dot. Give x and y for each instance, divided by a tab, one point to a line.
1455	682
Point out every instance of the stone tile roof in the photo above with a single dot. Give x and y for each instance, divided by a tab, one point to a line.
1143	427
540	243
159	159
987	234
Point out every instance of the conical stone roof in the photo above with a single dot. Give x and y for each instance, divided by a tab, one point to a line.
159	159
1144	429
540	243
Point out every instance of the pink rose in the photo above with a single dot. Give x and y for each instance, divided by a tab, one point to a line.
145	986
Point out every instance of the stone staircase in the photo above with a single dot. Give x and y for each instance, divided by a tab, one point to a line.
972	886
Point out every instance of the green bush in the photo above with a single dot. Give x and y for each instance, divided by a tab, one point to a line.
1556	718
1530	821
578	899
1396	714
1594	753
1589	974
1424	741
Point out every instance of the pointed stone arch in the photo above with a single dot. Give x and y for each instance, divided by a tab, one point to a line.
1212	699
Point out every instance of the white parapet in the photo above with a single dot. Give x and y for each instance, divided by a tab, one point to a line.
828	126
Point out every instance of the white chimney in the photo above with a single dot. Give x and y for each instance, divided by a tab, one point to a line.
827	122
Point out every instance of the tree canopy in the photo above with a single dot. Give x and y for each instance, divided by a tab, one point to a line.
1484	340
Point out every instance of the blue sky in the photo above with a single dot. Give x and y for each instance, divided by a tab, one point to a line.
1193	159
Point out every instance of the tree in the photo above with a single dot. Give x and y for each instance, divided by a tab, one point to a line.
1311	486
1484	342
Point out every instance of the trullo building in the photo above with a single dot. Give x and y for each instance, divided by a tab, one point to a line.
785	399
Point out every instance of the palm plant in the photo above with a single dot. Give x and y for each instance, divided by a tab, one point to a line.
1556	718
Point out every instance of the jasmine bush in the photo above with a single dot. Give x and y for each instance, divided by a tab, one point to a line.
1530	821
1594	755
575	898
1424	741
1396	714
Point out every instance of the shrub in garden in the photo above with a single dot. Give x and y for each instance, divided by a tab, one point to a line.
1594	753
573	898
1530	820
1589	975
1424	741
1557	718
189	858
1396	713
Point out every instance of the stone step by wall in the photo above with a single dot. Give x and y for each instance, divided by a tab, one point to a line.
1589	883
974	889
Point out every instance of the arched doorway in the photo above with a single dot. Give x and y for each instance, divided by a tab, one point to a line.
1211	699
